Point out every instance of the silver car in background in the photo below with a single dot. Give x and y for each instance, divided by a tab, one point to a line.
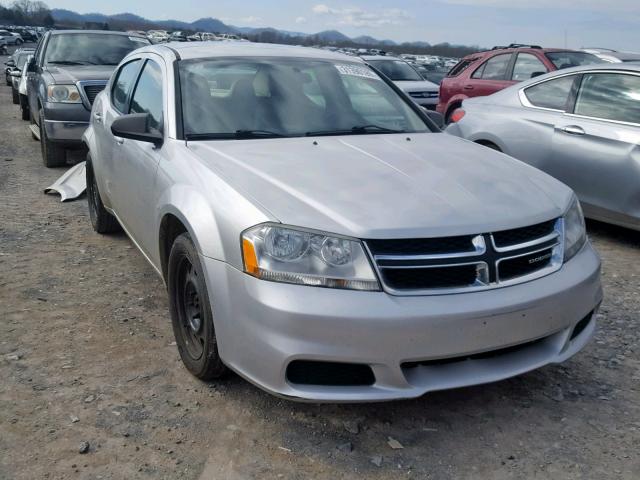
421	91
581	126
321	237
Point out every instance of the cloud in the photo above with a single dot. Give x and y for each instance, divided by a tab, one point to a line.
301	20
252	20
359	18
582	5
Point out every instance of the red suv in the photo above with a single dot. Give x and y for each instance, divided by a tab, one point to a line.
484	73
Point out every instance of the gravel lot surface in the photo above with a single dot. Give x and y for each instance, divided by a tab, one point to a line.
88	364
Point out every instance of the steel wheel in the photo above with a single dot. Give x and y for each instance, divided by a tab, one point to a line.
189	309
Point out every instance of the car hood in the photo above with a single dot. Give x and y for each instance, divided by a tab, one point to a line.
421	86
71	74
387	186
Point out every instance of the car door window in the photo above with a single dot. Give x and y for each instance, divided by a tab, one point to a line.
527	66
147	97
122	86
551	94
610	96
494	69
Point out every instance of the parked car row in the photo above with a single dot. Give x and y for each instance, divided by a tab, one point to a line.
581	125
162	36
284	194
484	73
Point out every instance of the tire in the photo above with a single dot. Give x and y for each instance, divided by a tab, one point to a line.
32	121
191	314
7	79
52	155
101	220
453	108
24	108
15	96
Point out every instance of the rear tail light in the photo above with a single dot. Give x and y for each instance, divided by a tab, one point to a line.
457	115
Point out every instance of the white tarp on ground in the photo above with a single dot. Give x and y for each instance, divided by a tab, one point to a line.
70	185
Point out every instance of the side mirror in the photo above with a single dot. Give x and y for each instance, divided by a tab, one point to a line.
135	126
31	66
16	73
435	117
10	63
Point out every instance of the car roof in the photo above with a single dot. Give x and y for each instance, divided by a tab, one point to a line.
232	48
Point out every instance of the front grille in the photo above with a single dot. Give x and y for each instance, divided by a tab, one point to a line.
468	262
524	265
422	246
92	91
507	238
437	277
424	94
439	362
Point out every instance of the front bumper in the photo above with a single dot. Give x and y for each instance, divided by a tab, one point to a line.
66	122
262	326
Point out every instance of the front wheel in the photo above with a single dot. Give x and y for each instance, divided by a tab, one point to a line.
24	107
52	155
101	220
191	314
15	96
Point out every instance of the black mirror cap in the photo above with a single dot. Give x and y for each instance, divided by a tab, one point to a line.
135	126
435	117
31	66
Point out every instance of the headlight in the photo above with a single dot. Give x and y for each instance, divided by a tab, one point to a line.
63	94
575	234
290	255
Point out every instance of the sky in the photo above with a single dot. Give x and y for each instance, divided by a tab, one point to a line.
550	23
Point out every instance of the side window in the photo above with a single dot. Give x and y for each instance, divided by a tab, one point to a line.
460	67
612	96
122	86
551	94
527	66
494	69
147	97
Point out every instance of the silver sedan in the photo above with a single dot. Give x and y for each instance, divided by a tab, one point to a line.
581	125
320	236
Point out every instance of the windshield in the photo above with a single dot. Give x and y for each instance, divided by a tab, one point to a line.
396	70
264	97
564	60
91	48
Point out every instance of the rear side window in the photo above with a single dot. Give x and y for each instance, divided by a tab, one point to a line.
612	96
147	97
121	88
552	94
527	66
494	69
460	67
564	60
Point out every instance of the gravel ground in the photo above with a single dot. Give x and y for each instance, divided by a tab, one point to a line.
87	355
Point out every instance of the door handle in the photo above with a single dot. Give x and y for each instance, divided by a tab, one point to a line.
468	87
119	140
98	117
573	130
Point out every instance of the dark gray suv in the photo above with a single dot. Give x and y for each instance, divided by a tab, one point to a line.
68	70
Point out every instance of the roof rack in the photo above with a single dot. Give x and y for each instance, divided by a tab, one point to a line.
516	45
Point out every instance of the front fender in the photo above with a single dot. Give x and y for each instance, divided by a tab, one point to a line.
195	213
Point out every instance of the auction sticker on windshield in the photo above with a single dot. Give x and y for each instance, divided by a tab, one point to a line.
357	71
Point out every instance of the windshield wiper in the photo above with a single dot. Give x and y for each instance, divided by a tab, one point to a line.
237	135
66	62
357	130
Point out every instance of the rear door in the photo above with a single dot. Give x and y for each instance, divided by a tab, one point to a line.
489	77
597	144
526	67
